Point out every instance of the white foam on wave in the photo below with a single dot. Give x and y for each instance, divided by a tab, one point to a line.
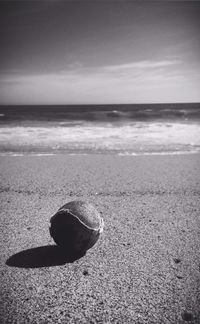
158	153
38	154
11	154
135	136
24	154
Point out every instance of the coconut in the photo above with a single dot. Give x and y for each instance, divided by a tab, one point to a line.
76	227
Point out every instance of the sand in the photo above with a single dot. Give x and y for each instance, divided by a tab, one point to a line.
145	267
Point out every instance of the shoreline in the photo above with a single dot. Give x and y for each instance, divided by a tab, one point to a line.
103	153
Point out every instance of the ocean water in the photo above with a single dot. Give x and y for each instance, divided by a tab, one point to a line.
109	129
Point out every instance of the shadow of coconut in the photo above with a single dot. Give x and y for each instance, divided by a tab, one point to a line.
43	256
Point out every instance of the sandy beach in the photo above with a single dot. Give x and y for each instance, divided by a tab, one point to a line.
145	268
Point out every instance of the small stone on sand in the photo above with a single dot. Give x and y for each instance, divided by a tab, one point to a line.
177	260
187	316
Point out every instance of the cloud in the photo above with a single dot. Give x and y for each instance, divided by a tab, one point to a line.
138	71
142	65
142	81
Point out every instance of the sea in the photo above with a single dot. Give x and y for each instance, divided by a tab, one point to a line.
129	129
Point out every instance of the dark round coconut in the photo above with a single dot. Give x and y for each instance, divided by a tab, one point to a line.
76	226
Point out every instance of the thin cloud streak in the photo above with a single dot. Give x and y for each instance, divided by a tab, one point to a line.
78	67
142	65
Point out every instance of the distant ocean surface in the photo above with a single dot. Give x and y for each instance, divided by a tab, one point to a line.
137	129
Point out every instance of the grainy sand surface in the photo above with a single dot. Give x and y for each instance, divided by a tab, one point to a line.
144	269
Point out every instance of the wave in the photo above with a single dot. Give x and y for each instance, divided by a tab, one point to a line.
135	137
98	113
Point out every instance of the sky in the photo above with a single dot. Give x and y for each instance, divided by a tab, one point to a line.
99	52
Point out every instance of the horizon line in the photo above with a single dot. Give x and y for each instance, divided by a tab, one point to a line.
105	104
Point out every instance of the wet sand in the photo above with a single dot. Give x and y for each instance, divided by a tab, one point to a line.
145	268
